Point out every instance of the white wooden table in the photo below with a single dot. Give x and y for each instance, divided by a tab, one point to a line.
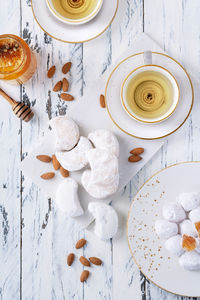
33	243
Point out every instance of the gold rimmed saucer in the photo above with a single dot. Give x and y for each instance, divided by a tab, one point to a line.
147	250
148	131
75	34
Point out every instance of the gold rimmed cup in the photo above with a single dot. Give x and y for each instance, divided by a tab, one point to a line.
150	102
76	7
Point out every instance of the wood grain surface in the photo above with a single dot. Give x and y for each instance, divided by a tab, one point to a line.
34	238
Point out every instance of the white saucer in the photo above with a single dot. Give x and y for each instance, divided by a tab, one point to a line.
131	126
147	249
69	33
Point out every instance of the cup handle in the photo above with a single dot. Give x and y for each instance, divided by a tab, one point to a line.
147	57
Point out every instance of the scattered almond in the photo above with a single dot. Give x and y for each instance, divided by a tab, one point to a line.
95	261
102	101
66	67
57	86
137	151
80	243
84	261
48	175
84	275
70	259
63	172
55	162
134	158
44	158
51	72
66	97
65	85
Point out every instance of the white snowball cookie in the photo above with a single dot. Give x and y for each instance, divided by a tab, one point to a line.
174	245
67	198
173	212
189	201
66	132
106	220
75	159
105	140
188	228
165	229
194	215
190	261
103	178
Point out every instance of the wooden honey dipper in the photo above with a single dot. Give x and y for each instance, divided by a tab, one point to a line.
21	110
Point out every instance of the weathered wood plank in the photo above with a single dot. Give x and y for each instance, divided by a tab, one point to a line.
173	24
10	176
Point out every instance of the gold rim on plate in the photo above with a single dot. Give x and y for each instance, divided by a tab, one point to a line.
68	21
129	211
123	102
77	42
142	138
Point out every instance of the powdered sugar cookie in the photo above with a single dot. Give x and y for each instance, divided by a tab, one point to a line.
67	198
66	132
189	201
105	140
173	212
76	158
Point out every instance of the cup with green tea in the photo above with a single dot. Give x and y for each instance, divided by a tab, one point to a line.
150	93
74	12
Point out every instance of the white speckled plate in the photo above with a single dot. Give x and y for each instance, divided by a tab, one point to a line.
147	249
70	33
142	130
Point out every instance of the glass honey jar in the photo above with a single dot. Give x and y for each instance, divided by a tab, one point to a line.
17	62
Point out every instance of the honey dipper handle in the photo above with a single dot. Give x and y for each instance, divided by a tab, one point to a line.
8	98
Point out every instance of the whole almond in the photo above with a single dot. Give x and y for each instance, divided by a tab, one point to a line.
137	151
70	259
57	86
95	261
80	243
102	101
84	261
51	72
84	275
66	67
134	158
66	97
63	172
65	85
56	164
44	158
48	175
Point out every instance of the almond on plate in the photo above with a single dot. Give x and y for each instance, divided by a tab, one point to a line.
48	175
44	158
80	243
51	72
134	158
137	151
57	86
84	261
95	261
66	67
84	275
63	172
102	101
66	97
56	164
70	259
65	85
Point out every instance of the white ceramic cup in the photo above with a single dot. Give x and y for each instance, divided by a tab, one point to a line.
74	21
148	66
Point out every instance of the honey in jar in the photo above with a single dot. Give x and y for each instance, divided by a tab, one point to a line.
17	62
